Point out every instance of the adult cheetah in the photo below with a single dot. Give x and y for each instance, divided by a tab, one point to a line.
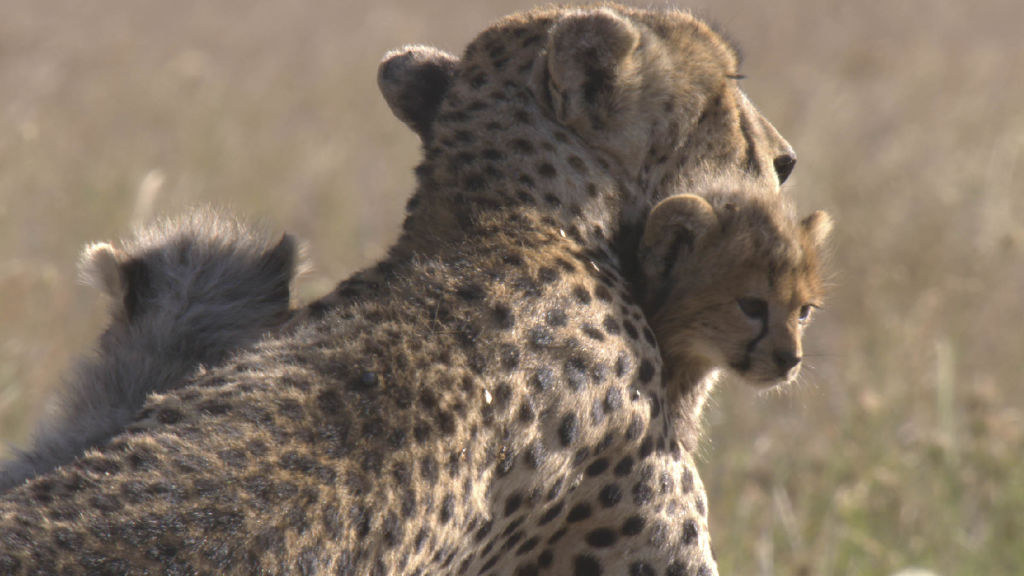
495	405
184	292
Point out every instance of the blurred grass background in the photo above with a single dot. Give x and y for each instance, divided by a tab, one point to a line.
901	446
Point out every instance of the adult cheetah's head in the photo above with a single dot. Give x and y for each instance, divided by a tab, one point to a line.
656	90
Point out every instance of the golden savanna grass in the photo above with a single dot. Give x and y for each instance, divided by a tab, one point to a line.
901	446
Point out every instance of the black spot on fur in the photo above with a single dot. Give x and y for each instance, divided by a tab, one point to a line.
512	503
601	537
576	373
610	495
676	569
552	200
642	493
633	525
690	533
646	371
611	325
471	292
592	333
581	294
365	382
546	558
169	416
577	164
522	146
526	412
568	430
597	467
483	531
631	329
535	455
447	508
655	407
551	514
543	379
624	467
527	570
579	513
686	483
585	565
635	428
646	447
504	317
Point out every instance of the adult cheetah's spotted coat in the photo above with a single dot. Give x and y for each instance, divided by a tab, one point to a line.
495	405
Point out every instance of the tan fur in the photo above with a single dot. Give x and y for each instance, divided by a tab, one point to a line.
703	256
488	399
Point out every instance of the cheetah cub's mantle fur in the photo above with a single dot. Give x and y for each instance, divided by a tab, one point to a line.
184	292
728	280
495	403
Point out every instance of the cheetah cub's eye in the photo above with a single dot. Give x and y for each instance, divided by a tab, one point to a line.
756	308
805	313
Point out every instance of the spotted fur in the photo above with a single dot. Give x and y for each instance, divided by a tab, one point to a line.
184	292
489	398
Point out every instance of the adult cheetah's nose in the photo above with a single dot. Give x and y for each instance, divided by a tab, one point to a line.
785	360
784	164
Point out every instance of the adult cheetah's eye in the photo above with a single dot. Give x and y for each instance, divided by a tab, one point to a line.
755	308
805	312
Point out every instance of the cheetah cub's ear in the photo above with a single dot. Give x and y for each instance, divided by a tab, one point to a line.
414	80
99	266
677	222
114	273
590	61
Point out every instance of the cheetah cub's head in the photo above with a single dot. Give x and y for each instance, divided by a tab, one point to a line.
730	281
202	271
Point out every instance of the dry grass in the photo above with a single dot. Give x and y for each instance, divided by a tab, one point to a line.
902	444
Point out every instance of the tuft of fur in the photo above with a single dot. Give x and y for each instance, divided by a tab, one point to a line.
185	292
728	281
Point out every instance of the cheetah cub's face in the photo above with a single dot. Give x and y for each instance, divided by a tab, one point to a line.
731	281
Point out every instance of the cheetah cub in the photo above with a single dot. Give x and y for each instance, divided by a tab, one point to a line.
729	280
184	292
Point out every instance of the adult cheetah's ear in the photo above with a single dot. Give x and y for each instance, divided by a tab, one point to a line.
817	227
588	56
414	80
674	228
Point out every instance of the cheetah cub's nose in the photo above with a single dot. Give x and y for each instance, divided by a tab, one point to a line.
785	360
